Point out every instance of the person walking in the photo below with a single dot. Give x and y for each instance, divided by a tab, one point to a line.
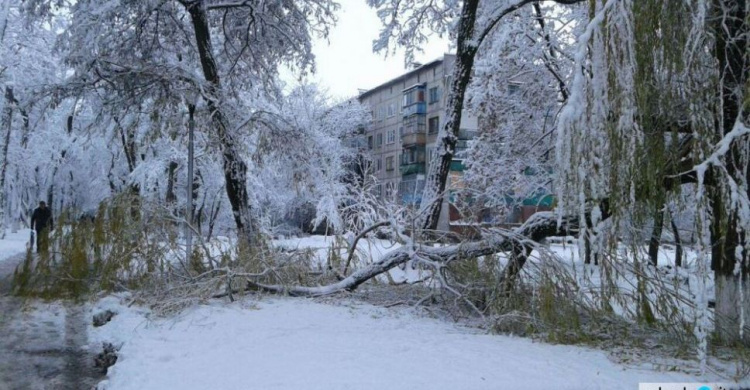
41	221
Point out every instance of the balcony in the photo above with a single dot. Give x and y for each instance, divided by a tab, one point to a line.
419	108
413	131
413	138
413	168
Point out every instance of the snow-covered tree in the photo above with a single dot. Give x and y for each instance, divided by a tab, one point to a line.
469	23
27	65
161	53
660	101
302	156
520	83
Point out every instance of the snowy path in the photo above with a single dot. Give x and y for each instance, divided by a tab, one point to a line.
281	343
42	344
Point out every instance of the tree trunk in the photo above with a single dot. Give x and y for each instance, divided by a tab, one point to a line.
519	254
729	244
235	169
655	240
17	212
6	125
540	225
677	242
171	197
588	252
5	122
437	178
130	147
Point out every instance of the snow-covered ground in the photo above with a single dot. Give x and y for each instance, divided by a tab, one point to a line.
287	343
11	249
14	244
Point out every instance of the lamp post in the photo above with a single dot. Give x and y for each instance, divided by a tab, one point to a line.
189	185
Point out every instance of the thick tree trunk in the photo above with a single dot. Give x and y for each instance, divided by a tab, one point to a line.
518	257
171	197
235	169
655	240
197	180
588	252
437	178
6	125
677	242
728	316
16	211
729	244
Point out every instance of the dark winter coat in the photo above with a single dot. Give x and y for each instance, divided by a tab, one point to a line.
41	219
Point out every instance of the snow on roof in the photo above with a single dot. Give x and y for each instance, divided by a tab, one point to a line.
405	76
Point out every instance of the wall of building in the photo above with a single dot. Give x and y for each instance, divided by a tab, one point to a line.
393	149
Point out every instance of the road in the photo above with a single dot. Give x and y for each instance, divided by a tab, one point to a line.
42	344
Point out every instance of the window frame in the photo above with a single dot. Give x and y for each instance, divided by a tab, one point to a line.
389	166
436	120
434	97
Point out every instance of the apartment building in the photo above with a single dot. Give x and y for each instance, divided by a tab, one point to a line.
407	113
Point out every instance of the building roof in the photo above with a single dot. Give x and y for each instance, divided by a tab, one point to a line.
404	76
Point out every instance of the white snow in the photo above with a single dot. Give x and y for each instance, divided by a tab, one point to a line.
287	343
293	343
368	251
14	244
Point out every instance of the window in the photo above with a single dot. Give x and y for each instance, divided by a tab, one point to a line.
513	89
379	190
379	140
391	109
414	96
390	189
390	137
433	125
381	113
379	164
412	156
414	125
369	142
389	163
434	95
401	131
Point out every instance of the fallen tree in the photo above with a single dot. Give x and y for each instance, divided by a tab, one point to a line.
538	227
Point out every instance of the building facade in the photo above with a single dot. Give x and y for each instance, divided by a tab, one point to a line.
407	113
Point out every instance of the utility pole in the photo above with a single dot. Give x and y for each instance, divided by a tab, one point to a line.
189	186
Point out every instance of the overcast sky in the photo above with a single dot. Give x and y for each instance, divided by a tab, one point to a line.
348	63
